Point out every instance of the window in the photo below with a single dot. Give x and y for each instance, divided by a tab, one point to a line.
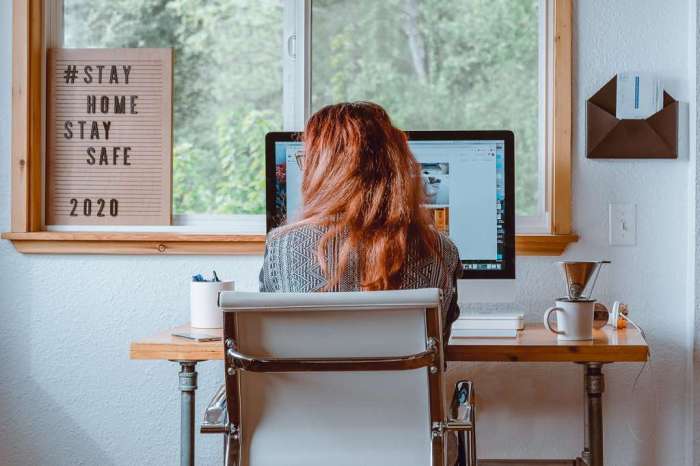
264	65
227	91
438	65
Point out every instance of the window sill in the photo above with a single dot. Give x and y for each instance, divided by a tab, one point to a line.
135	243
543	244
178	244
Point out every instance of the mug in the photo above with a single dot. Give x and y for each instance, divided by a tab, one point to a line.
204	303
574	319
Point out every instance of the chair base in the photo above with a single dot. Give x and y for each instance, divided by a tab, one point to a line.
528	462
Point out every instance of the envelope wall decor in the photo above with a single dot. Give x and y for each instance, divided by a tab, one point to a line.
610	138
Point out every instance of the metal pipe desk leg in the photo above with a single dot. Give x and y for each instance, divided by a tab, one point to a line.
586	453
594	385
188	385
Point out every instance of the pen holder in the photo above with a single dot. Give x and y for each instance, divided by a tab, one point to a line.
204	303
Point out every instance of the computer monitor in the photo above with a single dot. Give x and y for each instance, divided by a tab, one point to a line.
469	182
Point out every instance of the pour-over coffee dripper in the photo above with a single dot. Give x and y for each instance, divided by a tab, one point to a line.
580	278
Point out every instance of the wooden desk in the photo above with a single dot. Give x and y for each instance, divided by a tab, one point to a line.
165	346
535	344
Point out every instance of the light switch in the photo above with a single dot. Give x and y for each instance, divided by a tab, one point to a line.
623	224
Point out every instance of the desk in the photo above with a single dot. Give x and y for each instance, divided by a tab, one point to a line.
535	344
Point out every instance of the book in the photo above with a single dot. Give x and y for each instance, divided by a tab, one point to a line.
484	333
489	321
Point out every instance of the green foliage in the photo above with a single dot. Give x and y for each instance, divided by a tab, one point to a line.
227	87
434	64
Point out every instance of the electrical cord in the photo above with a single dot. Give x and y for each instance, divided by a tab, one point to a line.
635	384
641	331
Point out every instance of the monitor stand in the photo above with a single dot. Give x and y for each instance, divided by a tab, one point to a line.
485	291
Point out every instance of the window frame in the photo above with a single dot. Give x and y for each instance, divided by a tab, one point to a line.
32	33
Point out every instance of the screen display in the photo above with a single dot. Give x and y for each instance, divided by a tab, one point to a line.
465	185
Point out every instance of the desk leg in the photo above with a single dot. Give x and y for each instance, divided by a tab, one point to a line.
594	385
188	385
586	453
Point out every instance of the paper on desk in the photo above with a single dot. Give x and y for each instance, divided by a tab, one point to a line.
639	95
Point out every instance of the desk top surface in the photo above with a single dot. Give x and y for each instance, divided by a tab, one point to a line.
534	344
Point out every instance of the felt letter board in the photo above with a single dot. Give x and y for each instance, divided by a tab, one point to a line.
109	137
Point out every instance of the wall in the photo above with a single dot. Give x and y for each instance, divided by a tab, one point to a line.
646	426
694	318
71	396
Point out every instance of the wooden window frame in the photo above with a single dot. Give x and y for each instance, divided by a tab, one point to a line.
28	236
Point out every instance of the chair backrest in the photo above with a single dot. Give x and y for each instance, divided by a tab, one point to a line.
296	398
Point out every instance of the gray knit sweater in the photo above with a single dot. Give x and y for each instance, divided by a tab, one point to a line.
291	265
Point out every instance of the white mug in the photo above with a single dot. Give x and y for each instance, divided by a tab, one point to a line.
574	319
204	303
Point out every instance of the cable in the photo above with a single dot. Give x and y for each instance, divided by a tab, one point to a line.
641	331
635	384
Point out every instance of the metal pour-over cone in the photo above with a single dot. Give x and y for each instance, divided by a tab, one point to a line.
580	275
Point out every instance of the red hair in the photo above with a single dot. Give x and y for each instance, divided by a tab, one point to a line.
361	180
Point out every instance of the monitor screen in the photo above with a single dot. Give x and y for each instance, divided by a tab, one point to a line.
468	180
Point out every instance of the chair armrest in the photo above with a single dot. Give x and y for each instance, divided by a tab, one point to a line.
215	417
246	362
462	407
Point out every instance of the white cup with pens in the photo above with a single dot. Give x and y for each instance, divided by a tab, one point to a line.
204	301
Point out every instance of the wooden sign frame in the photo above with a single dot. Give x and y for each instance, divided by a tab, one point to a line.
109	137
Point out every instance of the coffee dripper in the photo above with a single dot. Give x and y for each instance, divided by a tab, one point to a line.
580	278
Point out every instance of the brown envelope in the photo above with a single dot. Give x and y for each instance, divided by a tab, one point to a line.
610	138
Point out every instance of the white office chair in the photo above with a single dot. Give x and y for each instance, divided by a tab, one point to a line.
355	378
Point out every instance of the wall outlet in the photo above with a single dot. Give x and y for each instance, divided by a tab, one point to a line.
623	224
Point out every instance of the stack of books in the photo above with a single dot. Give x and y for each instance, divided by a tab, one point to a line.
495	325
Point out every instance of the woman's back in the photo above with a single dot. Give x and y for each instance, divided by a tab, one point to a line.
291	265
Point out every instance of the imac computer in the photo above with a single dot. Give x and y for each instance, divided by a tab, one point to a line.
469	184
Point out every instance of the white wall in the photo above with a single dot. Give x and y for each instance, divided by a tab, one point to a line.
69	394
647	426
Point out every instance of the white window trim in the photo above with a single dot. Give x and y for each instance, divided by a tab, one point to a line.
296	64
539	223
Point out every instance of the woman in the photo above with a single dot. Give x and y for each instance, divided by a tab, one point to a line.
363	225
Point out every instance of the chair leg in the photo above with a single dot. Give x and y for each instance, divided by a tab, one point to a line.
471	434
225	440
462	449
231	454
463	410
471	447
467	448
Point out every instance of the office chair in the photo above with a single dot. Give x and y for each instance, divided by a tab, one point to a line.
352	378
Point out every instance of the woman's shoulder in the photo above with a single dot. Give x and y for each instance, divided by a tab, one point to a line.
446	245
447	249
294	231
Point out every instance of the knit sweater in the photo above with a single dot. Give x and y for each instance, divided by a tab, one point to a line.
291	265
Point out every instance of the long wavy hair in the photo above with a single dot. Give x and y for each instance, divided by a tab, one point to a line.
361	181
